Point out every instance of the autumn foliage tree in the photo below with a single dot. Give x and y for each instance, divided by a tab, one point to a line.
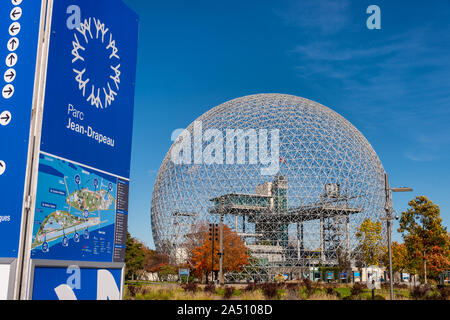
140	259
400	262
371	242
201	255
425	238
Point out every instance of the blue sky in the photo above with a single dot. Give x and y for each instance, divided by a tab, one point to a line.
392	84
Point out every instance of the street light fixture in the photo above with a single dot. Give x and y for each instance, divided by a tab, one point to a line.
389	217
401	189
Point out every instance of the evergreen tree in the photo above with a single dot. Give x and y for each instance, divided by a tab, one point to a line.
134	257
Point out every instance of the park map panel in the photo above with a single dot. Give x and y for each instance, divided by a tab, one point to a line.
77	215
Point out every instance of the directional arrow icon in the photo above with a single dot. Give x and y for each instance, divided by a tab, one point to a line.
16	13
5	118
14	29
10	75
8	91
13	44
11	60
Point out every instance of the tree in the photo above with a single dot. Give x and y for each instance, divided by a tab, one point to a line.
344	261
154	258
399	258
134	257
370	242
426	240
166	270
235	252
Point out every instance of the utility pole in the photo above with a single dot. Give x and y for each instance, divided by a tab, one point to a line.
221	251
389	218
212	237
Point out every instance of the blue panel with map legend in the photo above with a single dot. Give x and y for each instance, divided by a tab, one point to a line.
77	212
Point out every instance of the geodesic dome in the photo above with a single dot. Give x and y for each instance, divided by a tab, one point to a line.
292	177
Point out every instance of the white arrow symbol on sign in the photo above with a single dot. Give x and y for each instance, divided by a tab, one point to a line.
13	44
16	13
9	75
8	91
14	29
5	118
11	60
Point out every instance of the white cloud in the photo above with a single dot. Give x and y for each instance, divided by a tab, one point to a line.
325	16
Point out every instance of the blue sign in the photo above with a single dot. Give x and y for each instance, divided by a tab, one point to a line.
183	272
19	34
85	207
89	99
86	133
74	283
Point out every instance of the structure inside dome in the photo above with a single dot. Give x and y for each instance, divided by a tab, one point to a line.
291	177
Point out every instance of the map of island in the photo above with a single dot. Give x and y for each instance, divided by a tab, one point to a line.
75	210
86	199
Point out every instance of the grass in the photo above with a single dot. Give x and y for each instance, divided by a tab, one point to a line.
171	291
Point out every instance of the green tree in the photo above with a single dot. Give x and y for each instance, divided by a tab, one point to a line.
134	257
426	240
370	242
166	270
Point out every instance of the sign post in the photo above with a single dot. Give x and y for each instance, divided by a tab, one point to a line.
78	225
21	26
183	273
65	147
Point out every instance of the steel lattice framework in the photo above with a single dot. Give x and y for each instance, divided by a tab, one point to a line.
304	215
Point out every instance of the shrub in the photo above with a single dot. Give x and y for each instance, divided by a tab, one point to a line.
399	286
210	288
190	287
251	287
292	291
433	295
310	288
270	290
445	292
291	286
329	291
357	289
228	292
133	290
419	292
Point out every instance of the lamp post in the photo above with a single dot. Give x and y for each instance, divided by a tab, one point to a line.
213	238
389	218
221	278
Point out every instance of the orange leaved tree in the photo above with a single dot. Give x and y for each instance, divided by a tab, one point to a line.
201	255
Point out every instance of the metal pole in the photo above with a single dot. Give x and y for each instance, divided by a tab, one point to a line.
221	251
388	223
212	252
425	268
322	240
